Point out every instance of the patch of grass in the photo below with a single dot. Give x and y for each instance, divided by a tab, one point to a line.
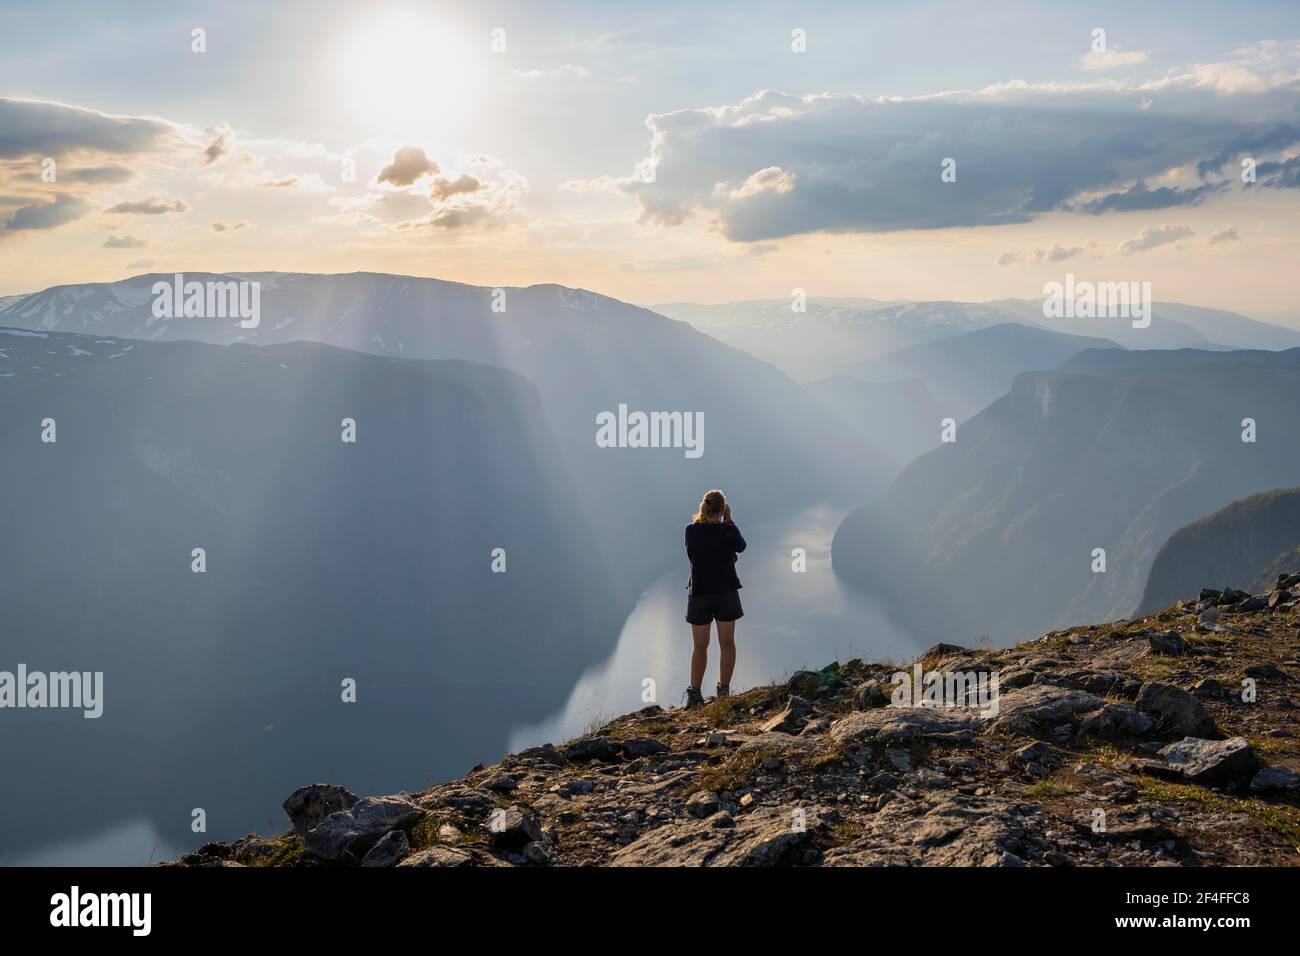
1282	820
287	850
732	774
1269	745
1046	789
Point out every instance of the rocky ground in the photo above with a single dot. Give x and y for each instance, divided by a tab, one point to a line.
1133	743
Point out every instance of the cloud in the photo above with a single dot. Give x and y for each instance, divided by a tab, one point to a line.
228	226
1149	237
1140	197
310	181
851	164
44	128
153	206
409	164
568	70
444	189
1226	234
1053	253
140	264
221	145
1112	59
63	209
124	242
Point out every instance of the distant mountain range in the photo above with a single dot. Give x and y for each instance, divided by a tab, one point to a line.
1243	545
586	353
994	534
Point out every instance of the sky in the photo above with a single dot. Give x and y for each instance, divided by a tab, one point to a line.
661	152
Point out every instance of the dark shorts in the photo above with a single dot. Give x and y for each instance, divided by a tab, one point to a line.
706	608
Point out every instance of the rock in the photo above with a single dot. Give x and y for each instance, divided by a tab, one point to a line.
1212	762
1041	754
308	806
869	695
537	853
943	650
1255	602
1168	642
766	837
1039	709
1211	595
804	683
346	835
500	783
1275	778
702	804
1266	670
1209	617
439	856
1232	596
1175	710
1116	721
1210	689
644	747
389	851
722	821
470	802
900	758
515	827
790	720
593	748
1280	597
818	725
902	723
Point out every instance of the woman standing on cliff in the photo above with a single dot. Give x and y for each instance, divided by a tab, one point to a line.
712	543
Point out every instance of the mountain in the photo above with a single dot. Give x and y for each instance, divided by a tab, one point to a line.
831	333
966	372
324	561
898	417
1236	546
1173	326
994	534
765	439
828	768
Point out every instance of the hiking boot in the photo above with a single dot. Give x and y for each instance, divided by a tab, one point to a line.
724	690
694	698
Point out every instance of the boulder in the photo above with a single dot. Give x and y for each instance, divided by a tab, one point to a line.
870	694
347	835
500	783
1116	721
1209	688
790	720
1221	763
1038	710
902	723
769	836
1167	642
804	683
644	747
391	849
703	804
308	806
1175	710
513	828
1275	778
593	748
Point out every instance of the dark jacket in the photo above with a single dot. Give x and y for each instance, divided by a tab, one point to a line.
712	549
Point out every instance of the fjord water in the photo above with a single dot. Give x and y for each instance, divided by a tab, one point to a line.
414	732
793	620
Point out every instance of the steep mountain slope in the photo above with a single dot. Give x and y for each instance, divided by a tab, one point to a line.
829	768
831	334
765	439
994	534
898	417
324	561
966	372
1235	546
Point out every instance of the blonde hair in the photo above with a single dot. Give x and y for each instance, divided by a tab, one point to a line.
711	506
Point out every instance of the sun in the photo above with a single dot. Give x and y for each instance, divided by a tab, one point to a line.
405	74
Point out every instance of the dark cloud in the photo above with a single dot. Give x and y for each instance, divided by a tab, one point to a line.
444	189
1282	174
220	145
777	164
63	209
409	164
99	175
41	128
153	206
1138	197
1250	143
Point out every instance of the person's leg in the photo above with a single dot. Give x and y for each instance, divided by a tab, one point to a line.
727	644
700	655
